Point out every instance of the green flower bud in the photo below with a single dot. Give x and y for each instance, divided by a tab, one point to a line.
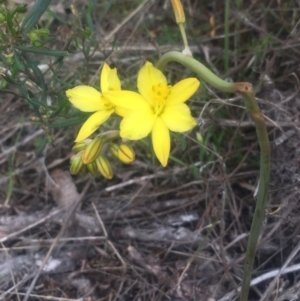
10	58
199	137
113	147
104	167
124	152
81	145
37	44
92	151
92	168
83	171
33	36
76	164
43	32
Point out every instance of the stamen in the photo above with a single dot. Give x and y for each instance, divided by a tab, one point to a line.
160	95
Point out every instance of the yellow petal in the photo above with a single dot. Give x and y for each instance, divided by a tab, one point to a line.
148	77
113	80
92	124
127	100
178	118
182	91
161	141
109	79
85	98
104	78
137	124
121	111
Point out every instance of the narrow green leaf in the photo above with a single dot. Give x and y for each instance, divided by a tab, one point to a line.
18	62
65	123
43	51
10	25
38	74
34	15
9	79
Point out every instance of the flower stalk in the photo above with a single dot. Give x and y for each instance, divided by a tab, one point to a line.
246	90
180	20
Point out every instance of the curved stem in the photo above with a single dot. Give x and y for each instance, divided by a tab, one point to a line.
246	90
203	72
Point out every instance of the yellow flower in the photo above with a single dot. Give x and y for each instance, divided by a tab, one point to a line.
158	108
88	99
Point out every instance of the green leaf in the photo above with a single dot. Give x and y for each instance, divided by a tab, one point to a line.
10	25
43	51
39	76
34	15
65	123
18	62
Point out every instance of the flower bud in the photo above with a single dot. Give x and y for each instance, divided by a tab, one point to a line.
92	151
37	44
43	32
92	168
76	164
199	138
124	152
33	35
104	167
178	11
81	145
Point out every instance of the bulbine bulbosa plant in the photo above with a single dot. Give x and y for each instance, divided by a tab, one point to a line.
158	108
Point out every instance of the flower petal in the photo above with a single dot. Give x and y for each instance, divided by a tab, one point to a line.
104	78
148	77
109	79
121	111
182	91
178	118
127	100
161	141
92	124
85	98
113	80
137	124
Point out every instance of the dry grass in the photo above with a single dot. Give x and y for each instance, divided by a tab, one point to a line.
177	233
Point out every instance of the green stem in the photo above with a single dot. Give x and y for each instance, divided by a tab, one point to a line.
203	72
245	89
263	186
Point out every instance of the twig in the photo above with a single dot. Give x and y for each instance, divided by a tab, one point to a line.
268	291
108	241
40	221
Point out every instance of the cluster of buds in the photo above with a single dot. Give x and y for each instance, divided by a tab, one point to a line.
37	36
88	157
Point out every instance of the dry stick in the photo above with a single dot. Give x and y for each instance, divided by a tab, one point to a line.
11	272
61	232
129	17
246	90
108	241
268	292
40	221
